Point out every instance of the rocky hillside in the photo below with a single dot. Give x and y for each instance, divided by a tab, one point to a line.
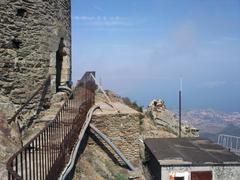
126	125
211	122
167	119
11	136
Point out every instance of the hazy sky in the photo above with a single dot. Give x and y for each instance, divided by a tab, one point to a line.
140	48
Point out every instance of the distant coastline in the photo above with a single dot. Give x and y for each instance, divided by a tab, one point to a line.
211	123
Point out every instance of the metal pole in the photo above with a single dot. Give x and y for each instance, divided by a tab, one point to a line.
180	113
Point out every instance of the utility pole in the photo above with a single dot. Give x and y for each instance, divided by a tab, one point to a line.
180	110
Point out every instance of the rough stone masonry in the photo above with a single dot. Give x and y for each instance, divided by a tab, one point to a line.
35	41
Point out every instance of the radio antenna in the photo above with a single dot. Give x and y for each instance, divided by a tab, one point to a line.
180	108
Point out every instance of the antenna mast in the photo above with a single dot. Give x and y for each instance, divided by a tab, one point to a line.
180	109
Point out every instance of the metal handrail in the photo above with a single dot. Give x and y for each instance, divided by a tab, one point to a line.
44	156
229	142
75	151
45	83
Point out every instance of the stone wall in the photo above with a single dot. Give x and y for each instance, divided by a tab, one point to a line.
32	32
218	172
10	142
124	131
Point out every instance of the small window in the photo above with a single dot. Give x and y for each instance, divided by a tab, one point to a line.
16	43
21	12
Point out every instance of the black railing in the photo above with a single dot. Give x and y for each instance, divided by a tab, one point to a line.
44	156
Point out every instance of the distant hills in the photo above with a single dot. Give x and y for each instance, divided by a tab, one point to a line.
211	123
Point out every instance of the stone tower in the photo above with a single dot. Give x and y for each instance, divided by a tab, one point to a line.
35	41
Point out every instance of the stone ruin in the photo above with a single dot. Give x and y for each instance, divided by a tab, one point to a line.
35	42
158	105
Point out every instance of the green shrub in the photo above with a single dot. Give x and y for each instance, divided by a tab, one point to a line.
120	176
133	105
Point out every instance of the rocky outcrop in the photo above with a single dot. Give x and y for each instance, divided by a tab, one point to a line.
161	116
7	107
10	142
157	105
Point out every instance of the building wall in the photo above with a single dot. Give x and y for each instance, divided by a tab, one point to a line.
123	130
152	165
31	31
218	172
